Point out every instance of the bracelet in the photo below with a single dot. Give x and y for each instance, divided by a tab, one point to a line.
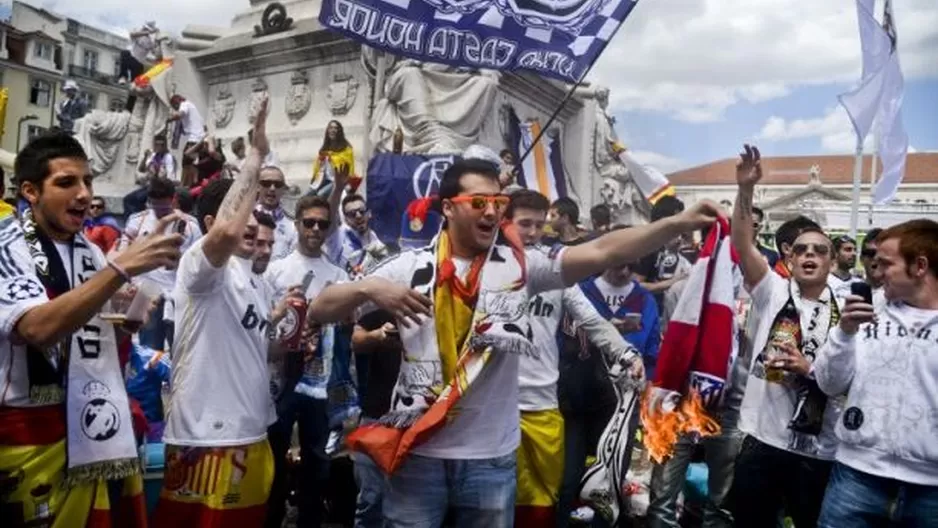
119	270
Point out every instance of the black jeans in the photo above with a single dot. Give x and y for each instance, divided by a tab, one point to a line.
581	432
768	479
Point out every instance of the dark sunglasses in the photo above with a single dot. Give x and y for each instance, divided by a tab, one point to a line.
357	213
310	223
96	206
272	184
868	253
820	249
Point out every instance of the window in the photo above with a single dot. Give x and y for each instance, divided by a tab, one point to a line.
42	50
89	60
90	99
34	131
40	93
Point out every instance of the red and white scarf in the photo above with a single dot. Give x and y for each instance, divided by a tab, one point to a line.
694	361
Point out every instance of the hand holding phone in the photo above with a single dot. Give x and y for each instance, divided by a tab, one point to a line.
862	289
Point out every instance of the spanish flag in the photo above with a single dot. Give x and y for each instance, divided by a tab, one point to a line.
32	474
143	80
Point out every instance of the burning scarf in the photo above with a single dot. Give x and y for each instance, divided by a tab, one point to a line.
444	355
144	79
693	367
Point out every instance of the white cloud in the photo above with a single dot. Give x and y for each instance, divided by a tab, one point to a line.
833	129
657	160
693	59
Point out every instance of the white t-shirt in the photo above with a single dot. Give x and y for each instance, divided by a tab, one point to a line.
768	407
284	239
220	386
841	287
614	295
347	248
144	223
140	47
167	166
192	123
486	423
292	269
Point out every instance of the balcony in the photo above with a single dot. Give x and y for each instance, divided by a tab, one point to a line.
75	28
80	72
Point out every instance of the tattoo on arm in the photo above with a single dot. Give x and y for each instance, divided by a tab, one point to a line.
241	195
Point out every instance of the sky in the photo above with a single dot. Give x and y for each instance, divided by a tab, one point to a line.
691	80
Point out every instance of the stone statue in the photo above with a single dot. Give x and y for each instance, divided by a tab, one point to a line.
440	109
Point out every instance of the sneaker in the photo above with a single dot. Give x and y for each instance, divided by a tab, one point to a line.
122	81
583	514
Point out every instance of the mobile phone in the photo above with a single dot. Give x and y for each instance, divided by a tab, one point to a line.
307	280
863	290
180	227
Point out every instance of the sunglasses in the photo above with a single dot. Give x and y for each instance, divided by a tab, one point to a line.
310	223
868	253
272	184
96	206
357	213
820	249
480	201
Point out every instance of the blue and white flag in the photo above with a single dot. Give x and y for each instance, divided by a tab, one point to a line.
542	169
879	97
554	38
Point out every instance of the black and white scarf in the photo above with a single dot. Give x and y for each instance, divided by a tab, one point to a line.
83	370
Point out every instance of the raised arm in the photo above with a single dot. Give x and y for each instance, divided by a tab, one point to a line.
228	227
748	173
600	332
338	302
628	245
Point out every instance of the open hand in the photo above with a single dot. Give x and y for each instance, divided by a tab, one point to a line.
749	166
405	304
153	251
700	215
791	359
855	313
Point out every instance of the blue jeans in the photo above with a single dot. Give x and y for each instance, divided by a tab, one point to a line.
856	499
310	415
372	487
667	480
158	332
480	493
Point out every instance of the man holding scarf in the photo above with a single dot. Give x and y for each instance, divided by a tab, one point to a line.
461	304
786	457
67	447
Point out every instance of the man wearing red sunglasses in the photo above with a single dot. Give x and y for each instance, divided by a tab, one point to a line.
461	304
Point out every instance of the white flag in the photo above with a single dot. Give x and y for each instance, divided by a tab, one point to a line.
879	97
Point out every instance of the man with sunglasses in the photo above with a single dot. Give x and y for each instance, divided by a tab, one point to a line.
353	245
841	277
101	227
161	202
461	303
273	186
786	456
871	272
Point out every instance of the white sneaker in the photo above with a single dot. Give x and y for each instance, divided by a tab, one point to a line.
583	514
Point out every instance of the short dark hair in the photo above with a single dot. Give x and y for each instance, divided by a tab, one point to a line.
311	202
211	198
756	211
160	137
184	200
505	152
32	163
160	188
871	236
527	199
566	206
789	231
265	219
665	207
451	182
351	198
600	215
841	240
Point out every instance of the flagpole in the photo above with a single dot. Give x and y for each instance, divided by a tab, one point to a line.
569	95
857	176
873	170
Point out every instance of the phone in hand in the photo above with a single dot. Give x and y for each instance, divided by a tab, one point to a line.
180	227
862	289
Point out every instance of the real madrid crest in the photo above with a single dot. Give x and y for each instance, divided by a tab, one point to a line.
298	98
416	224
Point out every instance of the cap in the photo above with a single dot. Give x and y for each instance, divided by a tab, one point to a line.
70	85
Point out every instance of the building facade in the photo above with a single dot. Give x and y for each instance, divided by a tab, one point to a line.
819	187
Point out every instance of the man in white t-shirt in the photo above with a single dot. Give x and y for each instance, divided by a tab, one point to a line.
353	246
786	458
481	280
221	406
273	186
305	265
886	473
845	261
193	126
159	163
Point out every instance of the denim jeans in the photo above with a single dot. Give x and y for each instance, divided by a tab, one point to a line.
480	493
768	479
310	415
158	332
667	480
372	486
855	499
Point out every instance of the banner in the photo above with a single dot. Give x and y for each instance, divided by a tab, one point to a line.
558	39
393	181
542	170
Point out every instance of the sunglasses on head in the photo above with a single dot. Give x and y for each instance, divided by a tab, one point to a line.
819	249
480	201
272	184
310	223
356	213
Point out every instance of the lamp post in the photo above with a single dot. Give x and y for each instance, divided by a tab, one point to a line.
19	127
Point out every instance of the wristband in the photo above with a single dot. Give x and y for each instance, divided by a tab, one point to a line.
119	270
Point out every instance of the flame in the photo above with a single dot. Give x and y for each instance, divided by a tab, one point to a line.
663	427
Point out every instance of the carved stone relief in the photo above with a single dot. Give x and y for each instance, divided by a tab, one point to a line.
223	108
257	93
298	98
274	20
341	94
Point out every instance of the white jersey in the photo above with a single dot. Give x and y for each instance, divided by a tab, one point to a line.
291	270
144	223
840	287
351	251
193	126
220	386
537	380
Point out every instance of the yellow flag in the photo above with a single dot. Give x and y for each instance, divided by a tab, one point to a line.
4	96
